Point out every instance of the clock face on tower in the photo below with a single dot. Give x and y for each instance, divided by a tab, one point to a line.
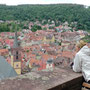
17	64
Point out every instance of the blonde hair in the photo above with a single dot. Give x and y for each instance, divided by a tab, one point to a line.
80	44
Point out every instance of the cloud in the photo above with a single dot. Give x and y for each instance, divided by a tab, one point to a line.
85	2
15	2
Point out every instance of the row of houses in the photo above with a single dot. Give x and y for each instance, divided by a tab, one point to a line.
41	49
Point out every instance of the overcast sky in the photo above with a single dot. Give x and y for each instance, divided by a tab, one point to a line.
16	2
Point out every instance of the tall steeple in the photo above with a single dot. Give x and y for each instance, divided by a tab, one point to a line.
15	45
16	55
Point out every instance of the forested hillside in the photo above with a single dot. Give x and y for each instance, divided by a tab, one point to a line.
61	12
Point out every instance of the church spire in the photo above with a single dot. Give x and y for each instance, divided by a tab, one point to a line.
15	45
16	55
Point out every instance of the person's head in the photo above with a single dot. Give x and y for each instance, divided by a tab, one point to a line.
80	44
88	44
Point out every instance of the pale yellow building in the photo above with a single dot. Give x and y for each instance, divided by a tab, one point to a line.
49	39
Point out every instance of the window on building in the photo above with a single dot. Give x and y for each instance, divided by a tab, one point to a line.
16	54
16	57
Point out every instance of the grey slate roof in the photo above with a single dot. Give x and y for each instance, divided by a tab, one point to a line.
6	69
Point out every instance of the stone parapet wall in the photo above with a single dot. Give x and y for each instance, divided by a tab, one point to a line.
57	79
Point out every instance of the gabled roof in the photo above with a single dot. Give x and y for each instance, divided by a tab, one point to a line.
6	70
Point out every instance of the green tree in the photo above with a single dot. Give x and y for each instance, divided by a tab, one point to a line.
35	28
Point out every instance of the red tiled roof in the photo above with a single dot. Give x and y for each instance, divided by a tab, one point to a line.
9	42
67	54
3	50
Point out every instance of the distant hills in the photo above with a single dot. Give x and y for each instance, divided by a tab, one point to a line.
56	12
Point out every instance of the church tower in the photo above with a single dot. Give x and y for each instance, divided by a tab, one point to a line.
16	56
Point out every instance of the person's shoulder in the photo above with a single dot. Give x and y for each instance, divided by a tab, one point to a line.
84	51
78	54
